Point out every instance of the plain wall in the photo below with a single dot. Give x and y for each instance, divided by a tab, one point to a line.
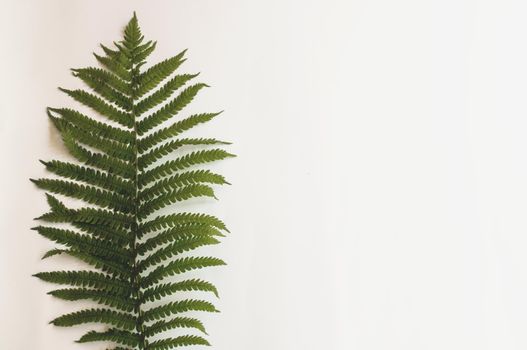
379	196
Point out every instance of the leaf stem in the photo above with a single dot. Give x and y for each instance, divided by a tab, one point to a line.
136	277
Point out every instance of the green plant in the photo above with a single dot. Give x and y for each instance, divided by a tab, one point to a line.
123	180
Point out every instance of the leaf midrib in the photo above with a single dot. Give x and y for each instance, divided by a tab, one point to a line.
136	278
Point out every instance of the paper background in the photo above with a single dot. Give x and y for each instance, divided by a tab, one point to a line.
380	192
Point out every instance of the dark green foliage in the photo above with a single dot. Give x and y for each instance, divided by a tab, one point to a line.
123	179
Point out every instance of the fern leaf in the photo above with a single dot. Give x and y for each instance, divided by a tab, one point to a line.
163	93
174	220
106	90
102	297
113	335
184	340
98	105
88	194
53	252
183	244
81	121
110	317
108	222
179	266
96	76
121	179
177	307
98	160
170	109
86	279
113	222
179	180
108	147
117	65
111	267
182	163
103	230
121	55
157	73
132	34
163	290
177	322
175	129
98	247
124	56
143	51
179	195
157	153
90	176
173	234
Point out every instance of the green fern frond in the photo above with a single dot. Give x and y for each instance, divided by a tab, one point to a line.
175	220
115	268
162	290
86	279
163	93
151	78
89	194
87	124
84	243
169	110
111	148
157	153
179	195
105	316
100	106
143	51
182	163
177	307
179	180
112	92
178	266
112	335
90	176
101	161
117	65
171	343
115	222
175	129
177	322
180	245
99	77
121	176
99	296
171	235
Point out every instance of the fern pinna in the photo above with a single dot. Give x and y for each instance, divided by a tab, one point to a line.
123	180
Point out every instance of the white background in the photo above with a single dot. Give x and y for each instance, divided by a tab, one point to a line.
379	198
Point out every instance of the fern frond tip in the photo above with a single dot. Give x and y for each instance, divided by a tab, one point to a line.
52	109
